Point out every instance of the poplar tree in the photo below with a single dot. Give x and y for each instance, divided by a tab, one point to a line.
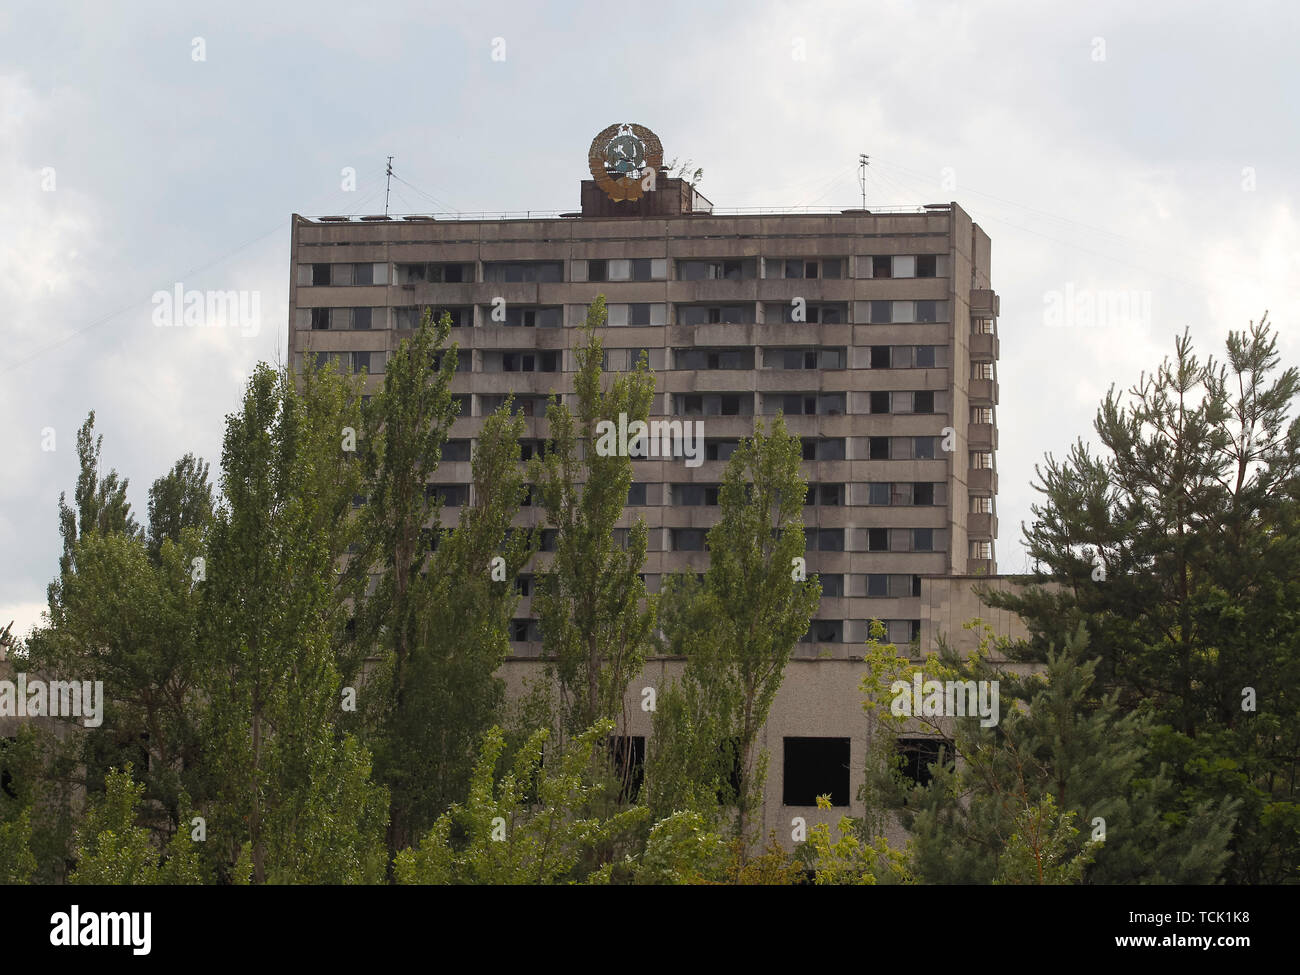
737	631
295	792
596	617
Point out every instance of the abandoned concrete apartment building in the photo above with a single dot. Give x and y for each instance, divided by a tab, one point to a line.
894	340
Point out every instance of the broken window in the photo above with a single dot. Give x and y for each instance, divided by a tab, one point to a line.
455	451
720	449
526	272
877	539
627	763
688	539
919	754
816	767
451	495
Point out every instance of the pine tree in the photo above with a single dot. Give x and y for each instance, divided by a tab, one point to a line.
1176	547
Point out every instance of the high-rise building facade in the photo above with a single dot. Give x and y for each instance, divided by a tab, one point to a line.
873	332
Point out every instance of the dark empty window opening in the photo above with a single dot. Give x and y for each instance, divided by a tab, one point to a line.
816	767
919	754
627	762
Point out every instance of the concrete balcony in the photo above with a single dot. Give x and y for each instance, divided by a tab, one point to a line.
984	347
983	392
982	526
979	567
982	436
981	481
984	303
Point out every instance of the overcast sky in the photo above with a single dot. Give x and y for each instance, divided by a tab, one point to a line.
1142	151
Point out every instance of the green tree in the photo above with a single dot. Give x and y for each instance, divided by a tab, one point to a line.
595	615
112	849
285	779
534	826
1176	546
100	504
737	632
1058	754
179	500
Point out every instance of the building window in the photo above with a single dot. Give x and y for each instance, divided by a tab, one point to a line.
816	767
832	585
878	447
877	539
831	448
927	265
981	550
714	404
804	404
981	505
524	316
919	754
879	402
523	272
717	270
882	267
824	631
929	311
451	495
824	539
525	631
455	451
714	358
434	273
713	314
694	495
923	448
627	763
830	495
636	494
925	357
688	539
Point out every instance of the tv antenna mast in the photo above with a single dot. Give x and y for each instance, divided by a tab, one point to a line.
388	183
863	163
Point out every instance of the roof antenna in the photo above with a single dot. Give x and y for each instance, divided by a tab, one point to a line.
862	176
387	184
